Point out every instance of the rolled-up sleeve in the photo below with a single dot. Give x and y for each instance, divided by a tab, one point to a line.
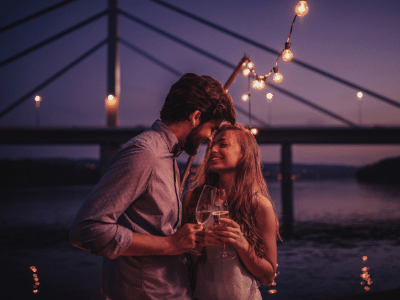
95	227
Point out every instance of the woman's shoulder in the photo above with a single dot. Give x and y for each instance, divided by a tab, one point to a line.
264	204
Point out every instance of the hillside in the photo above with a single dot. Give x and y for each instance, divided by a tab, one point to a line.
384	171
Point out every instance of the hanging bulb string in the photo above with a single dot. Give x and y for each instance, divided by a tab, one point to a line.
291	28
301	10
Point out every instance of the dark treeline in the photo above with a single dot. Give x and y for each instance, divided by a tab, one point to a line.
386	171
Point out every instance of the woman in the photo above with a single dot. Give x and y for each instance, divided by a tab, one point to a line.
233	163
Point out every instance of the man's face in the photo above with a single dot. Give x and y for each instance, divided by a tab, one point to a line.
200	134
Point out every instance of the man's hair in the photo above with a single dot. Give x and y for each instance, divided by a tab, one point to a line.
193	92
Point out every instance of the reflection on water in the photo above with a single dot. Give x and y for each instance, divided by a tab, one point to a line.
340	201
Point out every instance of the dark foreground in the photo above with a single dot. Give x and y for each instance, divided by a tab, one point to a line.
319	262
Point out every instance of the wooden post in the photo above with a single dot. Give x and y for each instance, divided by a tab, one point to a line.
287	188
113	84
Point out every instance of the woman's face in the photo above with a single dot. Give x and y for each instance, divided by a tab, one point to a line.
225	152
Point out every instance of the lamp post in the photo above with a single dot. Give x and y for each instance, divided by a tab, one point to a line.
37	104
359	96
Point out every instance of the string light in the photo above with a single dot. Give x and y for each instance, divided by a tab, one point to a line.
359	96
278	77
259	83
254	131
301	8
287	55
269	97
246	72
245	97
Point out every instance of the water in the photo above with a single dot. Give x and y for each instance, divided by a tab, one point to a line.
329	201
308	269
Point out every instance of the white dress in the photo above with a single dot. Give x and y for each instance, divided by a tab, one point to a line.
219	279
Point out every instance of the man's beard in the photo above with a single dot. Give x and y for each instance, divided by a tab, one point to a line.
193	142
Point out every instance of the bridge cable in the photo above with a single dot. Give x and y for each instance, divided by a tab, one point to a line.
52	78
35	15
53	38
232	66
313	105
268	49
175	38
150	57
175	72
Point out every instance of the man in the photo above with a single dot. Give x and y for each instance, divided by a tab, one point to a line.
133	215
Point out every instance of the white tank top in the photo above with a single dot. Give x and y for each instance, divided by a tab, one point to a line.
224	279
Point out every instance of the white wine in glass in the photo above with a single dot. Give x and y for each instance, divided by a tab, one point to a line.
204	208
221	210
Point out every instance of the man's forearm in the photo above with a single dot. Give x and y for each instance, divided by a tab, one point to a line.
145	244
180	242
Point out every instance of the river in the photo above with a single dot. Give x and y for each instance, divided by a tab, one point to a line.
308	268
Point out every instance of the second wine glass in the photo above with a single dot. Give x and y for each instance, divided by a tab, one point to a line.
221	210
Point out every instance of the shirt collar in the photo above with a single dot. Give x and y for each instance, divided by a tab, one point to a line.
169	137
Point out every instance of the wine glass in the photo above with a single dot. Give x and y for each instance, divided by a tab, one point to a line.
204	208
221	210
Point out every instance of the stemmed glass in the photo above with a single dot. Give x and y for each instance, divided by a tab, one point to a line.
204	208
221	210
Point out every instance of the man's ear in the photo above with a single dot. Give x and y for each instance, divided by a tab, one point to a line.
195	118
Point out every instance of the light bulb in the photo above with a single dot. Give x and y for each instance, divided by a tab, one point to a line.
254	131
287	55
278	77
250	65
301	8
111	101
359	95
38	98
269	97
246	72
245	97
258	84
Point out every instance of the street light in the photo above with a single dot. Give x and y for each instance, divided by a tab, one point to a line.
37	104
359	96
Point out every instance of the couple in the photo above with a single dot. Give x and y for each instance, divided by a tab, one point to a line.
134	217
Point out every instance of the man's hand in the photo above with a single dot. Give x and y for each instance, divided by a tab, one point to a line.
185	238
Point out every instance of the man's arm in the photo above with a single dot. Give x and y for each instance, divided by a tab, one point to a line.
180	242
95	227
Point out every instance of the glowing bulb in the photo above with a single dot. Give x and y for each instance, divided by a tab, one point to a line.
245	97
254	131
38	98
269	97
246	72
301	8
250	65
359	95
258	84
111	101
287	55
278	77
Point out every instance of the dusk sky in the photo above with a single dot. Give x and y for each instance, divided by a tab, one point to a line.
352	39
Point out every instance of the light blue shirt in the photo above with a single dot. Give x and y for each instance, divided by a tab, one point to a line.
138	193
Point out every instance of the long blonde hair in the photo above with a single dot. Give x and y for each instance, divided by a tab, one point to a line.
249	182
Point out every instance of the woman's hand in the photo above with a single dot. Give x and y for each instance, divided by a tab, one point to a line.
228	233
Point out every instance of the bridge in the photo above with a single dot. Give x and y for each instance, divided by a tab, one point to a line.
113	136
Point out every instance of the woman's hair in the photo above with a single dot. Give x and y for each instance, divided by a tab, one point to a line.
249	182
193	92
